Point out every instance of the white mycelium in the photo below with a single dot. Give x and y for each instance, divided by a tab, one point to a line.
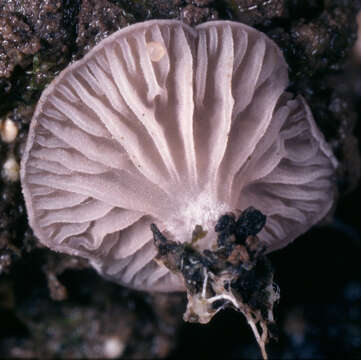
173	125
8	130
11	169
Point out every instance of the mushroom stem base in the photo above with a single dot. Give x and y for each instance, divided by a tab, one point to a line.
236	274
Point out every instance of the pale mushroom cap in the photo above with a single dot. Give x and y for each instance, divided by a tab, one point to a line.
168	124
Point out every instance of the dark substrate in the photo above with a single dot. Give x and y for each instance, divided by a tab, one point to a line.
52	305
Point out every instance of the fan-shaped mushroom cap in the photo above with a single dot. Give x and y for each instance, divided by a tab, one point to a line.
173	125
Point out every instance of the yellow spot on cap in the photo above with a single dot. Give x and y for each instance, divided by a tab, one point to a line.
156	51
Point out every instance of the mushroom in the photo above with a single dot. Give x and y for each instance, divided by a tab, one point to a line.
167	124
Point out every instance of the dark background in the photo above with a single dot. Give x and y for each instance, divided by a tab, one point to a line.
52	305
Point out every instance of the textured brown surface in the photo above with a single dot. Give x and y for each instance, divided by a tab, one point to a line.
18	45
96	21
